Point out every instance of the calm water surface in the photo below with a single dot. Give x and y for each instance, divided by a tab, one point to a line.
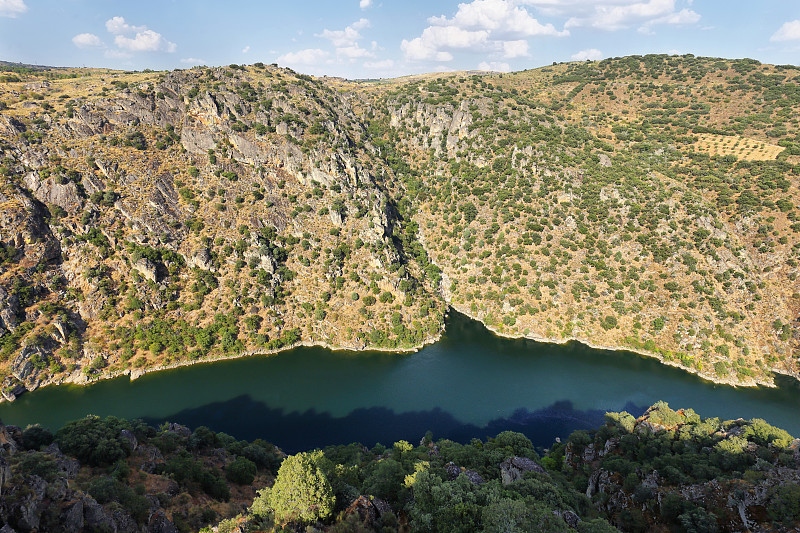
470	384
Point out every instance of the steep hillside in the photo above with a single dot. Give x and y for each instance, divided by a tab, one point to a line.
152	219
646	202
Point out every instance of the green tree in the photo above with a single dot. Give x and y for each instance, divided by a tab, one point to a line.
94	441
302	492
241	471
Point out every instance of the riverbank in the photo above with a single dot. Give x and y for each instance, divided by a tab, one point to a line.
713	378
79	378
311	396
135	373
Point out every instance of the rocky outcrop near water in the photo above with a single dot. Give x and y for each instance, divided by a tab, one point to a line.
687	483
38	494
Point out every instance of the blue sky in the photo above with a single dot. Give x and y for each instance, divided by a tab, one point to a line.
384	38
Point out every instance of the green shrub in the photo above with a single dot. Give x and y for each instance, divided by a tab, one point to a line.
301	492
241	471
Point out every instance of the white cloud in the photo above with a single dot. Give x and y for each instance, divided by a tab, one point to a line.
246	49
592	54
118	26
353	52
512	49
346	37
434	39
112	53
141	39
145	41
12	8
364	4
498	27
87	40
502	17
496	66
193	61
790	31
309	56
346	41
612	15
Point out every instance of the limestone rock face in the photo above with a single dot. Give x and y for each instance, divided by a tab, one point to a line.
10	439
569	517
201	259
9	309
69	466
130	438
123	521
95	517
23	224
72	518
159	523
183	431
453	471
49	191
5	473
369	509
336	218
513	468
24	506
197	140
147	268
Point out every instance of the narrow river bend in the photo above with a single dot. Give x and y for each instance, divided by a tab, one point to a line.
470	384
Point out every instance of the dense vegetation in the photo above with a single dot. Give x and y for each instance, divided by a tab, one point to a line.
667	471
152	219
280	227
646	201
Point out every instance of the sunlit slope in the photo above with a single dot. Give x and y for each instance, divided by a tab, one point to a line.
646	202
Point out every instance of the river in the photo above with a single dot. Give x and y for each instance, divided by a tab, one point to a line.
469	384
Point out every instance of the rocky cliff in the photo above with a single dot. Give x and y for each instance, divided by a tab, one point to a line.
699	474
152	220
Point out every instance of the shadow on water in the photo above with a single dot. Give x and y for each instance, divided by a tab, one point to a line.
245	418
469	384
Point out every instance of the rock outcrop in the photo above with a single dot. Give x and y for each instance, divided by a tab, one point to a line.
513	468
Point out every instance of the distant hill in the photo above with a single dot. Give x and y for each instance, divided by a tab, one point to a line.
9	64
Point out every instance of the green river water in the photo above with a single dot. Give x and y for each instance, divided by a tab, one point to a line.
469	384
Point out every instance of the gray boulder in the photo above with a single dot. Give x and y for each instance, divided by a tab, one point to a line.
26	511
569	517
183	431
72	518
9	309
159	523
130	438
95	517
513	468
123	521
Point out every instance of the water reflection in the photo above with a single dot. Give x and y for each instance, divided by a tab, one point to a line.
470	384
